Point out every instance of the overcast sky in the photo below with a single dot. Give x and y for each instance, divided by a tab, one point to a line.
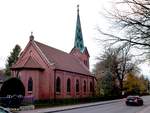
52	22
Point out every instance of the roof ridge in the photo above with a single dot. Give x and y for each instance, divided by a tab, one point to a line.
51	63
57	50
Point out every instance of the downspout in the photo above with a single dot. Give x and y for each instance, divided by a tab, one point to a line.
93	86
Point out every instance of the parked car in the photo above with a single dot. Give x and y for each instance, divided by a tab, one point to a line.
4	110
134	100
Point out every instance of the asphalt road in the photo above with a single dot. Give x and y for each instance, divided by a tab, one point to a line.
118	107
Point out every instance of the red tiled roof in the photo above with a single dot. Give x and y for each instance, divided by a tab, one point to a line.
63	60
28	62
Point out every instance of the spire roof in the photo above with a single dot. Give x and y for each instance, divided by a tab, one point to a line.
78	33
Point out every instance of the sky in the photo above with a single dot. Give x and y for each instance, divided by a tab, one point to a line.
52	22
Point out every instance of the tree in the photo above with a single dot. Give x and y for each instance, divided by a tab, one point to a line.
98	72
118	62
137	86
133	21
107	85
12	59
15	89
145	83
103	69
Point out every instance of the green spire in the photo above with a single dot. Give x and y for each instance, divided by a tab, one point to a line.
78	34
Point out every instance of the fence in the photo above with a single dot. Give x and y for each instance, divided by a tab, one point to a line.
15	101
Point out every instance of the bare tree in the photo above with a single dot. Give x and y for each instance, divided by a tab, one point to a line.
134	22
118	62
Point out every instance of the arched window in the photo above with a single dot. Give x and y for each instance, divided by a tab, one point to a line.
84	86
30	84
68	85
91	87
77	85
58	82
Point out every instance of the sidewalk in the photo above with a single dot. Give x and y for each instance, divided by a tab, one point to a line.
69	107
145	110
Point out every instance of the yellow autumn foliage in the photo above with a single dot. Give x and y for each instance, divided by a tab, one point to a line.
134	84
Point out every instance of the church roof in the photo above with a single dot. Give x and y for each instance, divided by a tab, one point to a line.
63	60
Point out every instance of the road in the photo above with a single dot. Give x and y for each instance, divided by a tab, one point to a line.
118	107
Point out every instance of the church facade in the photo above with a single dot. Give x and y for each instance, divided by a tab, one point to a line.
49	73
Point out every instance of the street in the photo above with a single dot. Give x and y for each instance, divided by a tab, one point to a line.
114	106
118	107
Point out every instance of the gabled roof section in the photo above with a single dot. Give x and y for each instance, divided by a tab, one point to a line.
62	60
28	63
86	51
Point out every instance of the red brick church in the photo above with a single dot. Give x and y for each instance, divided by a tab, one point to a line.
49	73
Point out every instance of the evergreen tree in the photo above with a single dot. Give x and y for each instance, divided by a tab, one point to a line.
12	59
107	84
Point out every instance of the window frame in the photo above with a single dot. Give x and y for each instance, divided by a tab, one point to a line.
77	86
58	85
68	86
30	85
91	86
84	86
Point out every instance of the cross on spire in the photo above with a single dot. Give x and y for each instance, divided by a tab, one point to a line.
78	8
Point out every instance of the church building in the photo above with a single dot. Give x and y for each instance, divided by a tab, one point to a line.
49	73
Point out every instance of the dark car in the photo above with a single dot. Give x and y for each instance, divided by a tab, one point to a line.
134	100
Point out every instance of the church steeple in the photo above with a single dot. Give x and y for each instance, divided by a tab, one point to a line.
78	43
79	50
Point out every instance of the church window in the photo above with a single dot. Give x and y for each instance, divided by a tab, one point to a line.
77	85
68	85
30	84
91	87
84	86
58	84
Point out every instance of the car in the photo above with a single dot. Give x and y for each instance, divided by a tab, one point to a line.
134	100
4	110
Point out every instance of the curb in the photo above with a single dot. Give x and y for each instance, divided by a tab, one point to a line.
84	106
